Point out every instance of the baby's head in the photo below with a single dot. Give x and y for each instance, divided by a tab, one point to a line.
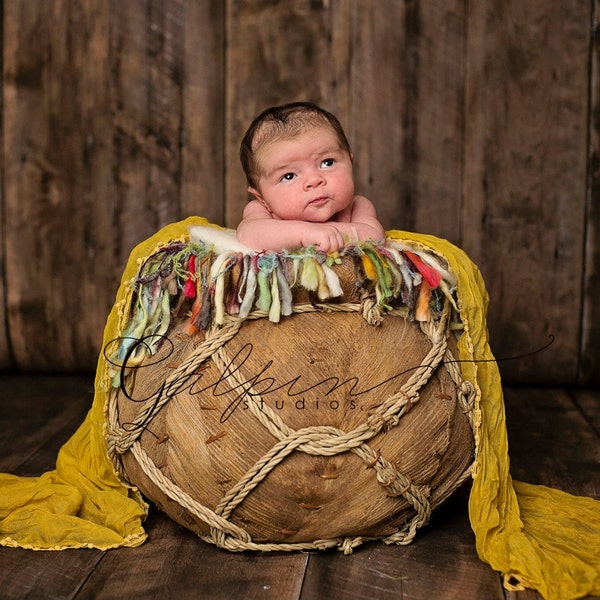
284	122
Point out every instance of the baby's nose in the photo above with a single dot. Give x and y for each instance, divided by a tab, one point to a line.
314	179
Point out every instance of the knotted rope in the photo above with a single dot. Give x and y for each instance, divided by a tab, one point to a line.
316	440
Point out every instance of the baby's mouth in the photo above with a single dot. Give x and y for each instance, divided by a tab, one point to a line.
318	201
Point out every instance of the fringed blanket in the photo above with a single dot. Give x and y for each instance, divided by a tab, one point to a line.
212	275
538	537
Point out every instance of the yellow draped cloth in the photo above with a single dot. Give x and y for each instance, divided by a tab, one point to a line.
538	537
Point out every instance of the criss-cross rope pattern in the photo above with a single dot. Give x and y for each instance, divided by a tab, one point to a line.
315	440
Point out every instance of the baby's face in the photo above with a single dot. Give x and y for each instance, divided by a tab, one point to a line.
305	178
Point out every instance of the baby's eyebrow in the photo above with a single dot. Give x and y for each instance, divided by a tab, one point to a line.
289	166
283	168
331	150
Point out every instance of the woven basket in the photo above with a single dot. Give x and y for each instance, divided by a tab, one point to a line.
340	423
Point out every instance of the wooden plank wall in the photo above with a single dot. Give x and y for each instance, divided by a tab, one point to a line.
472	121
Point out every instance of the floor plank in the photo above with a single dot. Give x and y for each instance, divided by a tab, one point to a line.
553	438
37	415
440	563
36	411
25	574
524	595
588	402
175	563
551	442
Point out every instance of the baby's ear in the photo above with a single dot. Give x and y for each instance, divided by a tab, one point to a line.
254	192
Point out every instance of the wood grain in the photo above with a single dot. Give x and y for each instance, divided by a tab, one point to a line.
28	575
147	49
525	176
33	414
552	442
589	374
441	563
6	360
588	404
178	564
203	118
407	80
383	138
478	126
57	171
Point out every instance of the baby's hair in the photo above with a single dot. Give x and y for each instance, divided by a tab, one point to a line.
281	122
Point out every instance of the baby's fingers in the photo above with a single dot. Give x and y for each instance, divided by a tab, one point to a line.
330	239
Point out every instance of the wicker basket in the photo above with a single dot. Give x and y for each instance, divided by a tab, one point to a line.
342	422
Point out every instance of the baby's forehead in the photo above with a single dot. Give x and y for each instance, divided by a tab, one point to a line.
272	132
313	143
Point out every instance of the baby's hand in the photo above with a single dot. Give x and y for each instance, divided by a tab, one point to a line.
324	236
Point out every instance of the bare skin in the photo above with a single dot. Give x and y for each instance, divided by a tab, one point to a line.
305	196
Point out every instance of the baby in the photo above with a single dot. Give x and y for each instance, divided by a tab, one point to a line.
298	165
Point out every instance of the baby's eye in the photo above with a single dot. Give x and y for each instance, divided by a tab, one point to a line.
328	162
288	177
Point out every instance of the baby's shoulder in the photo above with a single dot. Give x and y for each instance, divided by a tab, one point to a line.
361	200
256	210
361	205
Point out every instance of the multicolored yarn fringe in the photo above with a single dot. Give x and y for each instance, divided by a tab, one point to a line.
189	280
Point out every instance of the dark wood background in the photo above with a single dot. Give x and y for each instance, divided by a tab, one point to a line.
473	121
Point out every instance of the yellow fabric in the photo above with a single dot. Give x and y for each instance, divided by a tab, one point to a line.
538	537
82	503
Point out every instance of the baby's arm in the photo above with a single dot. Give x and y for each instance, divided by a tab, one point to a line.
259	230
363	223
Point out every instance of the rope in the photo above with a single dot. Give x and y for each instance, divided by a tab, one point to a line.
316	440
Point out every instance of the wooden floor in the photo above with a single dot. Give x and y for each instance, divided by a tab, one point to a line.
554	436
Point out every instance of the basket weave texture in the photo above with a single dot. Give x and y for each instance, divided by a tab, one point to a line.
344	421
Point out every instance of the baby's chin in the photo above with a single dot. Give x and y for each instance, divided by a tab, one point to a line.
322	214
321	221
